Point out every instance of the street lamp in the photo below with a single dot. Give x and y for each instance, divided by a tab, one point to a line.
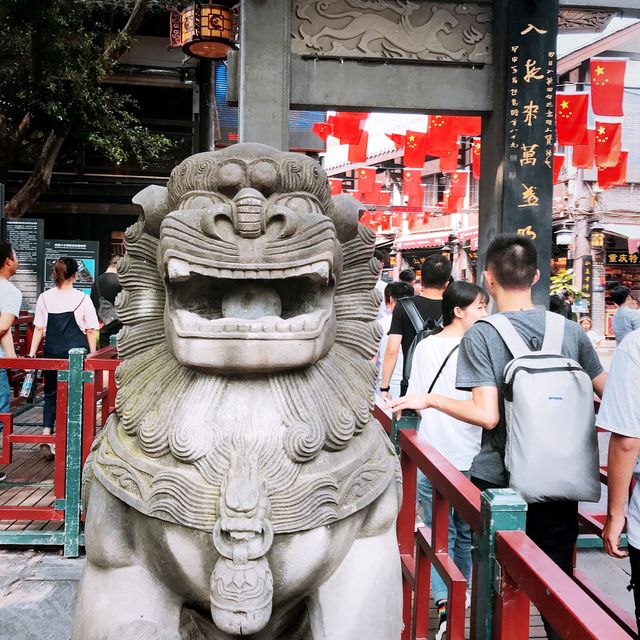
564	236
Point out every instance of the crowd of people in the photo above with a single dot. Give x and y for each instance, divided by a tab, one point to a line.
457	383
65	317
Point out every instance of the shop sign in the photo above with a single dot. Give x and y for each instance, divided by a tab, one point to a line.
623	258
587	275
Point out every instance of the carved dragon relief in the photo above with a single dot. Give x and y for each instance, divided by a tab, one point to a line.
583	20
243	414
393	29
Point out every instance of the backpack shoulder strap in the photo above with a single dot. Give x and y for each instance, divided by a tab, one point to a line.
412	312
441	369
553	332
508	333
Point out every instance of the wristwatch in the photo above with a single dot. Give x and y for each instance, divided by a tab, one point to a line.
384	389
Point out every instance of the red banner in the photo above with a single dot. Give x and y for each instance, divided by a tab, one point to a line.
558	161
584	155
475	157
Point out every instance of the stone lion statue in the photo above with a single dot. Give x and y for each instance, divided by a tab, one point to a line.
242	487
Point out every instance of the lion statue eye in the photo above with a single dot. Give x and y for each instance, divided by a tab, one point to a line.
300	203
200	201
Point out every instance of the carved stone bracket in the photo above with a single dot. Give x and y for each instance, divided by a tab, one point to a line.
393	30
583	20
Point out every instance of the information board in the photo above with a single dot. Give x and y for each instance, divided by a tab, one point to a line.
84	251
27	238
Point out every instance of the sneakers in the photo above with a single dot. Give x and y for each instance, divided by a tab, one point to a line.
441	633
47	451
3	476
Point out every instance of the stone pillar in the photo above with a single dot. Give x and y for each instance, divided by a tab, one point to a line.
516	190
265	51
207	106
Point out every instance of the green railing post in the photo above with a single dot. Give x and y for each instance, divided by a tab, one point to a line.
500	510
410	421
75	378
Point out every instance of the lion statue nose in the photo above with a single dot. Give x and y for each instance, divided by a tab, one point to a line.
249	215
253	213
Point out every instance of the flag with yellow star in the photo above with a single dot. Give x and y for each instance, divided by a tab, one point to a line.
558	162
411	181
336	186
607	86
608	143
441	135
414	149
475	157
571	118
366	178
614	176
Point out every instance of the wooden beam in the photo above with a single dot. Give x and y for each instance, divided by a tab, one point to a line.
86	208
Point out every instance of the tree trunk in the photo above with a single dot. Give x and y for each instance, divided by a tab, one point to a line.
40	178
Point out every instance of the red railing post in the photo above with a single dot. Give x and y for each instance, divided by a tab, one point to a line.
406	537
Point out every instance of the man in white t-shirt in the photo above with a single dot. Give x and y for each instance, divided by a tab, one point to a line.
620	414
10	302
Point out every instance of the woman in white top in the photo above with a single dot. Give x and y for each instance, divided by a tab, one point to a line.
434	369
68	319
585	323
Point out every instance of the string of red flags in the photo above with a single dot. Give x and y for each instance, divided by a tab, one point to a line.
583	155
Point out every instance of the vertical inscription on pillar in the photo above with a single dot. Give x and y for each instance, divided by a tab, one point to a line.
530	121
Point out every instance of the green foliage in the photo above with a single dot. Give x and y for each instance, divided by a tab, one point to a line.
563	281
52	70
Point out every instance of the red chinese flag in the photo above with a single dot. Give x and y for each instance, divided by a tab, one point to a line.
468	125
449	161
336	186
397	138
584	154
607	86
475	158
348	127
571	118
366	219
608	143
412	220
370	198
322	129
416	199
378	216
441	135
411	181
396	220
355	194
414	152
358	152
384	198
425	217
558	161
458	184
614	176
366	178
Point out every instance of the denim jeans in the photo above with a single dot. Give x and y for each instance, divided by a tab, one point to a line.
459	538
5	393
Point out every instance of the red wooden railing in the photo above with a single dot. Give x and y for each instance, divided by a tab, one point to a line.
527	574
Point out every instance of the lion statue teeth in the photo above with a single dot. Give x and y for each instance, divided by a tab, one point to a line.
242	487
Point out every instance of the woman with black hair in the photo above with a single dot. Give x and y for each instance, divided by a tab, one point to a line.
67	318
434	369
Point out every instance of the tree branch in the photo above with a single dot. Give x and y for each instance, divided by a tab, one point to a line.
40	178
122	41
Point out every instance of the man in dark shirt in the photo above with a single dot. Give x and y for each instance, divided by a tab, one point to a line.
108	286
435	274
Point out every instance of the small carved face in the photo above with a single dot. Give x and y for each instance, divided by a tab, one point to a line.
250	280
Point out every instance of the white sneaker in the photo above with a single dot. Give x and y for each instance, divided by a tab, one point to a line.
441	633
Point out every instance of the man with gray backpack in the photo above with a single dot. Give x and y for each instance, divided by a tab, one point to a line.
412	316
532	375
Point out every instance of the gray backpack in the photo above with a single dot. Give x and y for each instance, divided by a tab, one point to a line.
551	451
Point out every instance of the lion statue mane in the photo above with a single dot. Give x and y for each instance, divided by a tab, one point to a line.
243	422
